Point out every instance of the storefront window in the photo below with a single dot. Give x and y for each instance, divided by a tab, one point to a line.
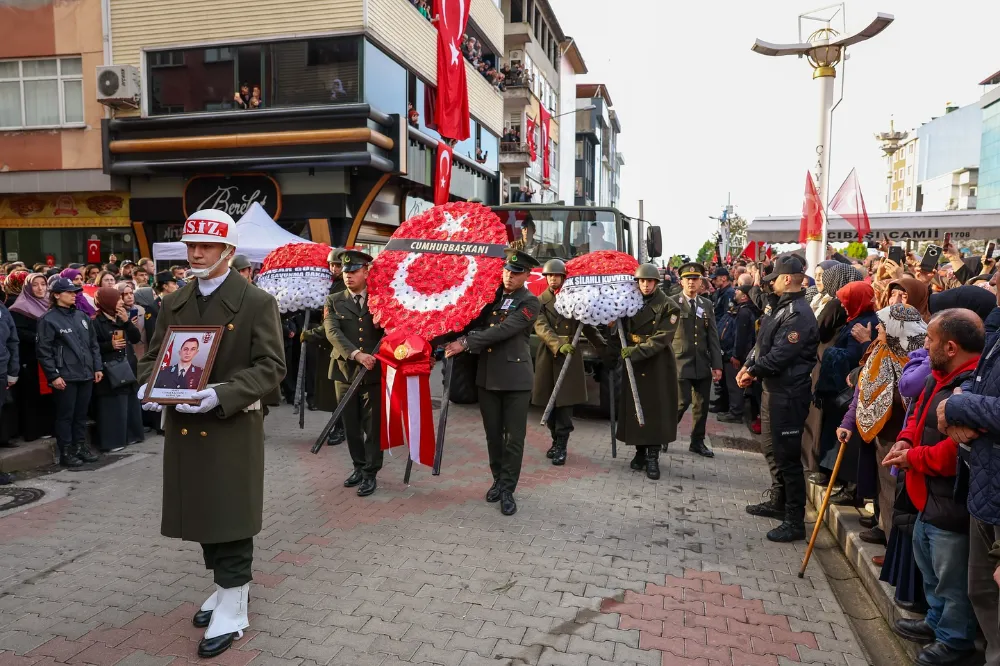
67	246
385	82
254	76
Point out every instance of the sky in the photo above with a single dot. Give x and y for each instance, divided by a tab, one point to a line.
704	117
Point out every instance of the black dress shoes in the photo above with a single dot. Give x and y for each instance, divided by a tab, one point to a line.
493	494
875	535
508	506
367	487
819	478
787	532
868	522
354	479
201	619
698	446
939	654
213	647
917	631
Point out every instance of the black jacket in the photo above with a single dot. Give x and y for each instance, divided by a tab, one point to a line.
745	333
104	330
785	353
9	363
67	346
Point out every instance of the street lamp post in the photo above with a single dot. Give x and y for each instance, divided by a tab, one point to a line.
824	49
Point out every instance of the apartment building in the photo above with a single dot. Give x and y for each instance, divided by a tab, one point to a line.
302	107
54	196
598	162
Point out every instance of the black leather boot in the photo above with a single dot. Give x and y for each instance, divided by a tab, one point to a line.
773	505
787	532
67	457
552	451
559	457
84	453
639	459
652	465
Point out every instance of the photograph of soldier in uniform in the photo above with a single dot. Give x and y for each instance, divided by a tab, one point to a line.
185	364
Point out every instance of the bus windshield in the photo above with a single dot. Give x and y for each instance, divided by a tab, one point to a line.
562	233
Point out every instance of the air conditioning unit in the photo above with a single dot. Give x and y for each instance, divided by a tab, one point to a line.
119	85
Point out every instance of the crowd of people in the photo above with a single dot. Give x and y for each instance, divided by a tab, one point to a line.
69	343
472	49
906	394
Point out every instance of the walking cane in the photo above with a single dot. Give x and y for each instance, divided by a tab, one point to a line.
631	376
562	376
823	507
300	384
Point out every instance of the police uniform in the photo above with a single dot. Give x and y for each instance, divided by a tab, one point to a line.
504	377
213	456
696	347
555	333
351	330
649	334
783	360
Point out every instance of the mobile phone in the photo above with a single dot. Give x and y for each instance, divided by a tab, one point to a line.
118	335
896	254
133	313
947	239
989	250
932	255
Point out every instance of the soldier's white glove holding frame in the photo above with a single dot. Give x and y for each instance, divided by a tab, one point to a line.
148	406
209	401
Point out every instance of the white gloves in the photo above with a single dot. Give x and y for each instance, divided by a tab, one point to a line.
11	380
209	401
148	406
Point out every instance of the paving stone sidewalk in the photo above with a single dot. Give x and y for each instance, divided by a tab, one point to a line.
599	565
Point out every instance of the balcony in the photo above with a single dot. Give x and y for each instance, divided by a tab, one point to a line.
515	154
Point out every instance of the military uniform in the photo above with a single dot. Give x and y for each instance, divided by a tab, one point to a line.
696	347
350	329
649	335
556	332
783	360
504	377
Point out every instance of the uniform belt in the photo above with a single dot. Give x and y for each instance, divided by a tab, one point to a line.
636	338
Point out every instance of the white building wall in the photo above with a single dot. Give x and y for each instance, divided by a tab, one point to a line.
567	131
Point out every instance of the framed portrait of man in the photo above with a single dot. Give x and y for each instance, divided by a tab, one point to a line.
184	364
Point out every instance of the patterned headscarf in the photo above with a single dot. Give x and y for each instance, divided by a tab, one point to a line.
13	283
27	303
835	277
905	331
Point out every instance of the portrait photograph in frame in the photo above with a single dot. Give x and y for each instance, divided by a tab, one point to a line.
184	364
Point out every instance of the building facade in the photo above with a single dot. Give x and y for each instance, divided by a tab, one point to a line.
989	156
948	166
903	187
598	161
572	65
303	107
54	196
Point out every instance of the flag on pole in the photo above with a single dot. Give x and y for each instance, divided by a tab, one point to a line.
544	119
529	133
850	205
442	174
452	103
811	224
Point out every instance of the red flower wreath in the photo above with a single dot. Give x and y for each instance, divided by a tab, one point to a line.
433	294
602	262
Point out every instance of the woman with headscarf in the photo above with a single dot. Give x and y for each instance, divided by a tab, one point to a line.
821	298
878	412
34	408
12	285
833	390
117	423
833	316
911	291
967	296
83	303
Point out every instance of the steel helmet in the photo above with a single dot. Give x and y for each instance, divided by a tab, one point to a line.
647	272
239	262
554	267
210	226
334	256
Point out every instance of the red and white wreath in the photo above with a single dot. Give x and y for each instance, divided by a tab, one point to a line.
600	288
297	275
432	294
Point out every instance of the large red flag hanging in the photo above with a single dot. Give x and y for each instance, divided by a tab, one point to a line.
850	205
442	173
811	225
543	122
529	133
452	110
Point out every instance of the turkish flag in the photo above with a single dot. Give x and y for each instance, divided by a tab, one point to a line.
452	109
850	205
442	174
543	122
529	132
93	251
811	224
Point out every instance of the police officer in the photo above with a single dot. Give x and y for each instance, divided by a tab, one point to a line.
213	452
320	390
241	264
699	355
500	335
648	336
783	360
556	334
355	338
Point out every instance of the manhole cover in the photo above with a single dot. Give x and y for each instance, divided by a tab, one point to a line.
14	497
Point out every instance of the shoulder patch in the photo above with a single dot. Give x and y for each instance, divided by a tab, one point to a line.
673	319
526	311
793	337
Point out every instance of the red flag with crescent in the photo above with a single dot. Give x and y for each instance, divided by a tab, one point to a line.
544	119
93	251
811	224
529	134
452	110
442	173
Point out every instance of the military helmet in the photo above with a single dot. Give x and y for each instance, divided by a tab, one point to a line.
647	272
239	262
334	256
554	267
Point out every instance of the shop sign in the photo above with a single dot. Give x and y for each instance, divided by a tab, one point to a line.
233	194
78	209
850	235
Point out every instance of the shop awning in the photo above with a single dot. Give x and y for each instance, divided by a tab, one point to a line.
921	226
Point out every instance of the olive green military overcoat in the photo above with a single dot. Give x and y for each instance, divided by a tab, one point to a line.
213	463
651	332
554	331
